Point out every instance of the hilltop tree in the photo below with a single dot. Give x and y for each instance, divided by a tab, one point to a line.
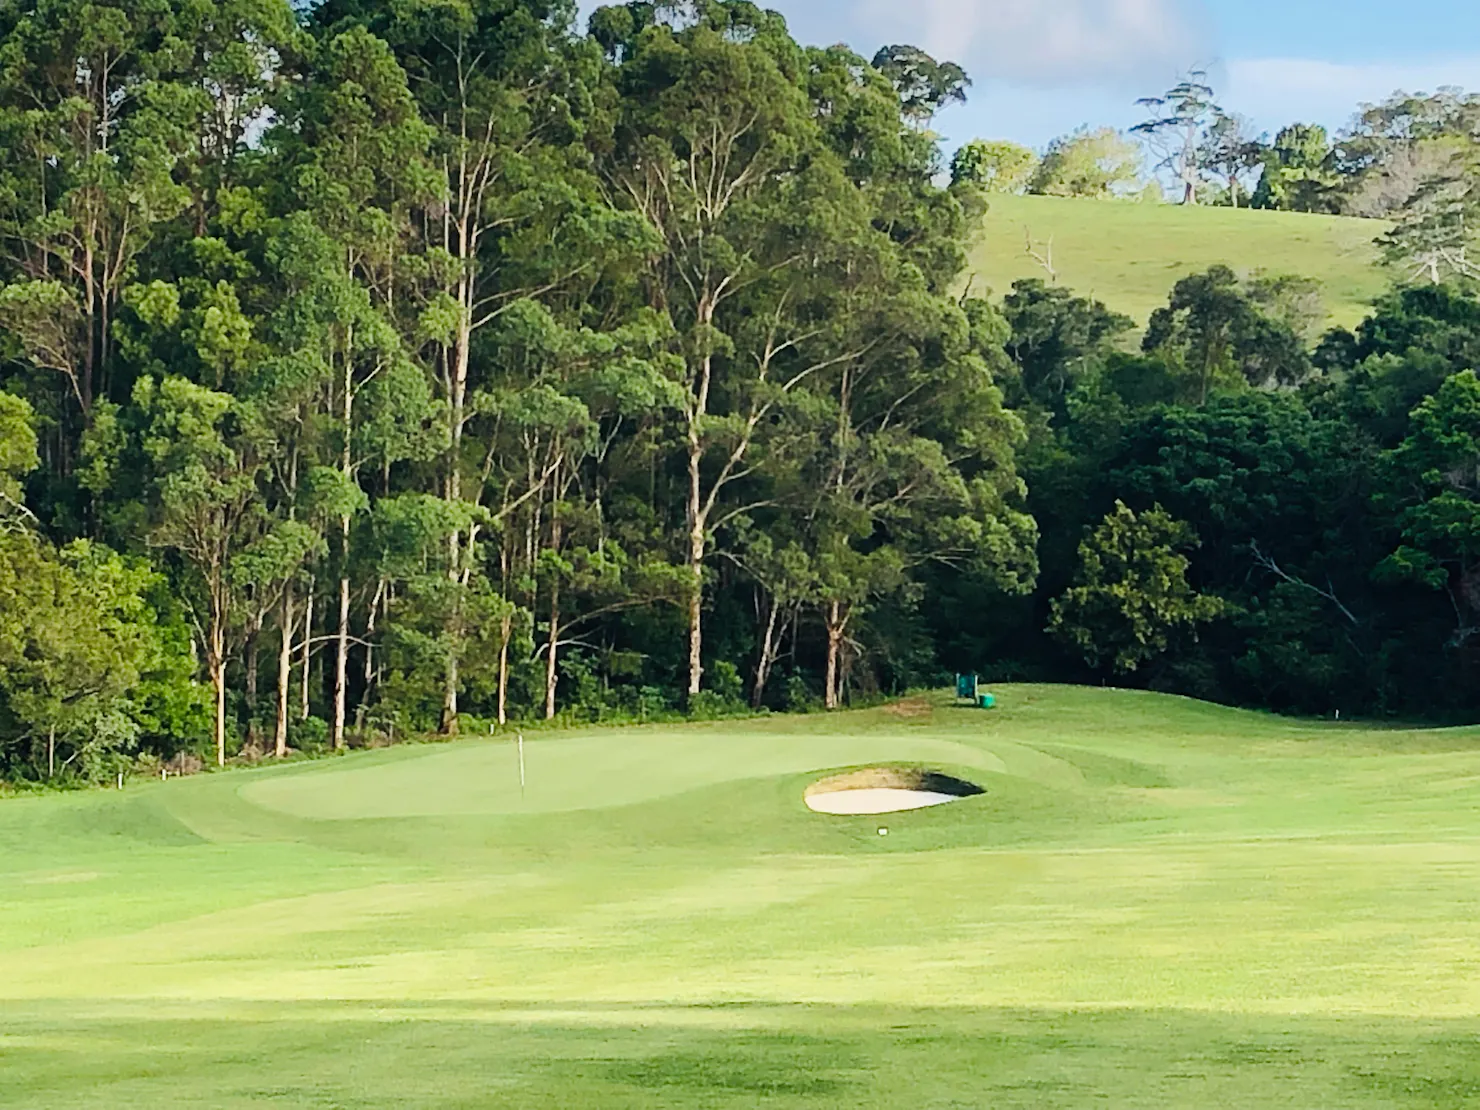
1177	127
1299	171
997	166
1398	149
1100	164
1230	153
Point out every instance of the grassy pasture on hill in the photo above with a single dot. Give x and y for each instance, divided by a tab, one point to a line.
1130	255
1157	903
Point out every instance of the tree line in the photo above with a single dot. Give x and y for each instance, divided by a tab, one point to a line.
381	365
1242	508
373	369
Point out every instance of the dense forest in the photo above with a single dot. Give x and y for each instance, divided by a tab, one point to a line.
372	369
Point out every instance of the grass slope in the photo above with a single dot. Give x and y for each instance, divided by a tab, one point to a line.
1130	255
1158	903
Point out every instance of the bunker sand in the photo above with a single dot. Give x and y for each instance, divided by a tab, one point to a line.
878	800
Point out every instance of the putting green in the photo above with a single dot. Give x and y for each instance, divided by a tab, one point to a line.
1157	903
592	770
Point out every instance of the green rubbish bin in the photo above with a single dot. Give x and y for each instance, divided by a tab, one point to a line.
988	701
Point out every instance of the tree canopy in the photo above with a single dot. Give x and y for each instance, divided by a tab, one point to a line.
1101	163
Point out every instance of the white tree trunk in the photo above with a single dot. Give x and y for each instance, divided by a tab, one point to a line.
285	677
837	621
218	684
341	662
768	655
697	547
503	669
552	674
307	655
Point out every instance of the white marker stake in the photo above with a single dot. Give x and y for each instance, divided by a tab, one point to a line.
521	766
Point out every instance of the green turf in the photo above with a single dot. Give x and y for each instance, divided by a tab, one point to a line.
1129	255
1157	903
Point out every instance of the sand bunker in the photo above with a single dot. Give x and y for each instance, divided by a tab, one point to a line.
886	790
853	802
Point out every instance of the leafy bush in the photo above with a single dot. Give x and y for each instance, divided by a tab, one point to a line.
309	735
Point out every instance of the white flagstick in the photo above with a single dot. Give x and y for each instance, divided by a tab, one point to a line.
521	765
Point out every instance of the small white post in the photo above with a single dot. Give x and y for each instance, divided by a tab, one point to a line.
521	765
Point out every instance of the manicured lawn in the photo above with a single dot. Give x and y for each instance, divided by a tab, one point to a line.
1130	255
1157	903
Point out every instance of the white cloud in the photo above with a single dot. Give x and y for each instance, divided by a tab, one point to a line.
1049	42
1276	91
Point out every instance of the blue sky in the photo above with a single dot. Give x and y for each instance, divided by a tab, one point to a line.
1043	67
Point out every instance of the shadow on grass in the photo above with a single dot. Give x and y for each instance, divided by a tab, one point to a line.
453	1054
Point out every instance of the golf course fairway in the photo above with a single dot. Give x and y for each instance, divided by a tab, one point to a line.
1156	903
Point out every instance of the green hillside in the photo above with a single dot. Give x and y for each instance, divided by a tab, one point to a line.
1157	903
1130	255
